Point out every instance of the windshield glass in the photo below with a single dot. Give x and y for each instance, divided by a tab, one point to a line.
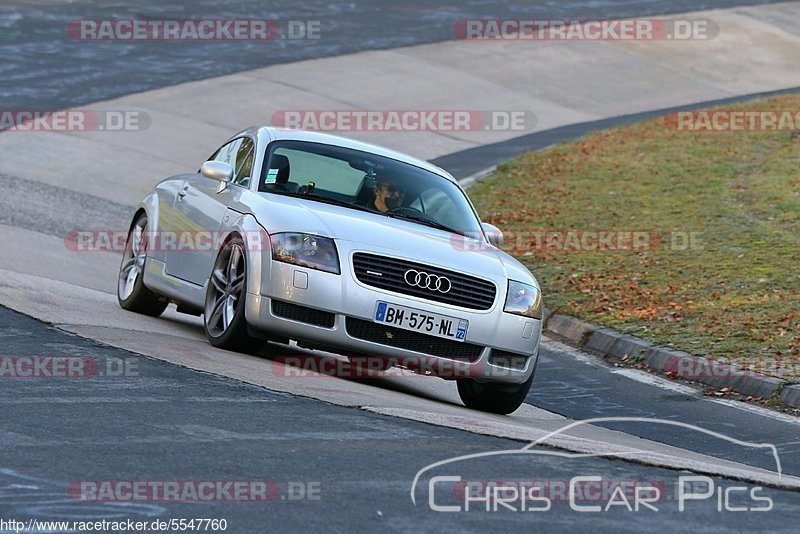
366	181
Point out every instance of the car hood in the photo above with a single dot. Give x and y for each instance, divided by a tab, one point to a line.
379	234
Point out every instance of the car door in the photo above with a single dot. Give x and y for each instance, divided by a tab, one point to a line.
198	212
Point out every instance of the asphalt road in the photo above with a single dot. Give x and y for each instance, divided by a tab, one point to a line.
44	68
579	387
160	422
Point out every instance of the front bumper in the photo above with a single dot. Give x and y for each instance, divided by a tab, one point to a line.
336	312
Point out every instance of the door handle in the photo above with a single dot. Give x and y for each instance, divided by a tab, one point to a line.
183	191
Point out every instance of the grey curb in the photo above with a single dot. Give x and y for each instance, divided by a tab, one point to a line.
791	395
569	328
610	343
473	179
674	363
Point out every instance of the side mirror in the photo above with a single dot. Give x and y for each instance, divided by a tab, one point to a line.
217	170
493	234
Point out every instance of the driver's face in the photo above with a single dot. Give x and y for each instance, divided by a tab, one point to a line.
390	193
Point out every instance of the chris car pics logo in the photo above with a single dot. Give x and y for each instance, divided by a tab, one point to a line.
585	492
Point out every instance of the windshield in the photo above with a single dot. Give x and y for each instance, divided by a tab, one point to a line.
366	182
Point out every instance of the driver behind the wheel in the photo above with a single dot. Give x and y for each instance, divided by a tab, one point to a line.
388	195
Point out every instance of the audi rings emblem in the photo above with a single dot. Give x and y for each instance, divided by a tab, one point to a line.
424	280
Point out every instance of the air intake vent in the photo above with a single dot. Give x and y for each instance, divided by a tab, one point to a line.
511	360
302	314
413	341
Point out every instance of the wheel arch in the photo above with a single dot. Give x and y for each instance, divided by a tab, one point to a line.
258	250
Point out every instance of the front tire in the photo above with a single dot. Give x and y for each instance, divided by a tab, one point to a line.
493	397
224	314
131	291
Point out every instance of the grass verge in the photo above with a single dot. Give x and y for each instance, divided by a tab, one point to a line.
719	273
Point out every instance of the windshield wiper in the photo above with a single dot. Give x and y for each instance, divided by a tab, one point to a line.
424	220
323	199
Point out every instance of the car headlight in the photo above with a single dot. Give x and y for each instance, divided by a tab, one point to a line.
523	299
306	250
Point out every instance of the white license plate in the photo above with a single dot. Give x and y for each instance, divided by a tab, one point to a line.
424	322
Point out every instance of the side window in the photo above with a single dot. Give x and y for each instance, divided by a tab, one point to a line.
239	155
244	162
228	153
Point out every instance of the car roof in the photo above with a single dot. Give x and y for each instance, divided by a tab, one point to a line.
282	134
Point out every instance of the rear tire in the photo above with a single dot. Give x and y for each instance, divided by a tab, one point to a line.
493	397
131	291
224	314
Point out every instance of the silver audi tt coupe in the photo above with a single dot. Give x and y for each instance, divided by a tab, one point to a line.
340	246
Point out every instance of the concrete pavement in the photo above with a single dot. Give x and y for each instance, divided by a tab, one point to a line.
45	68
561	82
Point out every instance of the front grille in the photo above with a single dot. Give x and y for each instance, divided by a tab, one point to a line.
466	291
405	339
287	310
511	360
